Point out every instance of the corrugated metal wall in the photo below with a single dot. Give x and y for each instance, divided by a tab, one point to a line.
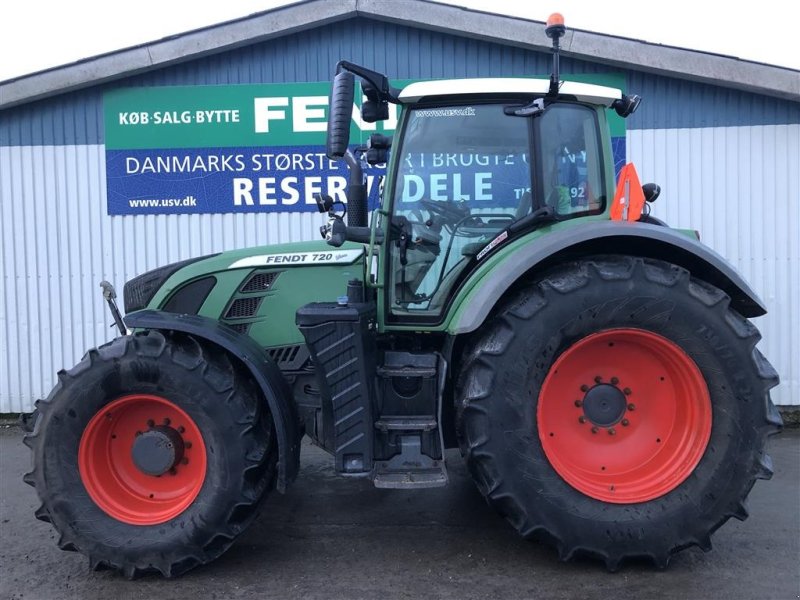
738	186
58	241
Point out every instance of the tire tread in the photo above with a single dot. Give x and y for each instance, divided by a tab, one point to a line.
492	342
243	397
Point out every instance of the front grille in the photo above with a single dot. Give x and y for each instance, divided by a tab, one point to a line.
243	308
139	291
260	282
291	358
284	354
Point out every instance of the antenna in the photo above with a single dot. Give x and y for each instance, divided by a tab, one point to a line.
555	29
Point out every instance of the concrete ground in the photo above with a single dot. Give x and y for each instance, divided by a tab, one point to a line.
334	538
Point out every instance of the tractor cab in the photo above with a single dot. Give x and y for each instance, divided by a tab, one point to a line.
474	165
468	176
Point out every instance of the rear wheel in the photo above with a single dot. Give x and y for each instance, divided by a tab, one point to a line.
152	454
617	408
640	421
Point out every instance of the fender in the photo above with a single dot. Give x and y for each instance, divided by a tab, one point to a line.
261	366
603	237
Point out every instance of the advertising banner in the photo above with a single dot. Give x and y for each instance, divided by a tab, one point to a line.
215	149
236	148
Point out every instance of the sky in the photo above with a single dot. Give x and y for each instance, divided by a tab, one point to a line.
39	34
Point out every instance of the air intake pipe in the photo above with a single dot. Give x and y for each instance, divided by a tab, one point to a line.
356	191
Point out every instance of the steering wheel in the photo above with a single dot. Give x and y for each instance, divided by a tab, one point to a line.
452	212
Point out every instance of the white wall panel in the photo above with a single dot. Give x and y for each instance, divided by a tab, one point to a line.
58	243
740	188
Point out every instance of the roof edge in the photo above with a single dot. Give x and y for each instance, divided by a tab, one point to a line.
174	49
693	65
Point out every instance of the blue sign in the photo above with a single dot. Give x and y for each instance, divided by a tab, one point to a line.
221	180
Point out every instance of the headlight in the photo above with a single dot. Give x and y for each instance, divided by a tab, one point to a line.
139	291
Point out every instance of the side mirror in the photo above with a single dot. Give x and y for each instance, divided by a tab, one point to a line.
378	149
651	191
373	112
340	112
375	107
626	105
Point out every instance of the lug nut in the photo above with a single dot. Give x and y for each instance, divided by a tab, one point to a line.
181	429
151	423
615	380
627	391
584	388
578	403
187	445
598	379
184	461
625	422
594	429
612	431
581	419
167	421
631	406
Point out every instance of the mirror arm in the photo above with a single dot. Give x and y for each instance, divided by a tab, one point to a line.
379	81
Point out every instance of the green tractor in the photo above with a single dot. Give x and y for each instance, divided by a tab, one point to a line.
595	367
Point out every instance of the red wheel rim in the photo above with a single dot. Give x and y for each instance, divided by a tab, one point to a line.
112	477
624	416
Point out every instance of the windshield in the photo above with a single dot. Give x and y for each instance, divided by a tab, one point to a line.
464	175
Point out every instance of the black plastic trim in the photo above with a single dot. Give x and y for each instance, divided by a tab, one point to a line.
189	298
260	365
341	341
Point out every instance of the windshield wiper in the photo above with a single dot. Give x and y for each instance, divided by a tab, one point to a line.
535	107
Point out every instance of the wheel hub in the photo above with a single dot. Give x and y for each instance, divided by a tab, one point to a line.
157	450
604	405
142	459
624	415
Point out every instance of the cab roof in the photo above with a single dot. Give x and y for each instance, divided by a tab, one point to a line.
583	92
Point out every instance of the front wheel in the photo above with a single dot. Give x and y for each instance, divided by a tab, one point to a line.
617	408
152	454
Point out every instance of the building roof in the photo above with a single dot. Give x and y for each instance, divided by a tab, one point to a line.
715	69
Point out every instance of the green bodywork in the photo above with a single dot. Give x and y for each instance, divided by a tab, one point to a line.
297	285
273	324
499	257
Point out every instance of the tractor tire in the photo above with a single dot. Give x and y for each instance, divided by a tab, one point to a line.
617	408
152	454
